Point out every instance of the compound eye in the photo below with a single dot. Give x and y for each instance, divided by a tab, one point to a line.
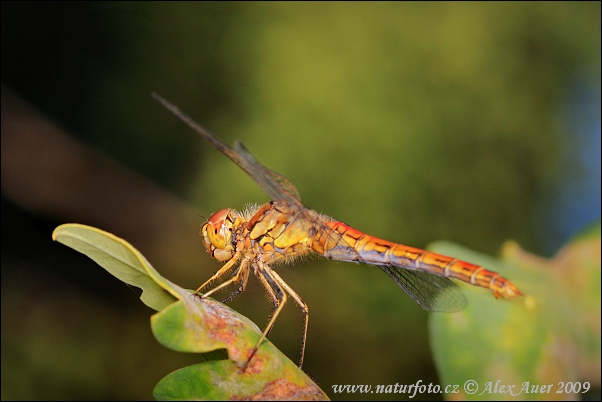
219	217
217	235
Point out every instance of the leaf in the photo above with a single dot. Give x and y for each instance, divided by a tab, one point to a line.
550	335
270	374
201	325
190	382
121	260
188	323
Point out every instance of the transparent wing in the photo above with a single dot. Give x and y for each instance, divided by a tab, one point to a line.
433	293
274	184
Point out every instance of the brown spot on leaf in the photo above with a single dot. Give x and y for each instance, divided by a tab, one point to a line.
282	389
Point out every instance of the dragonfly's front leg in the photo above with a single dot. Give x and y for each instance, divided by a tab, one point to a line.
224	269
241	288
244	266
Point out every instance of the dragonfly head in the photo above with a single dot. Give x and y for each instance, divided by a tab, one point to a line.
217	235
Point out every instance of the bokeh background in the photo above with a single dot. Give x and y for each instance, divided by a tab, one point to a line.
415	122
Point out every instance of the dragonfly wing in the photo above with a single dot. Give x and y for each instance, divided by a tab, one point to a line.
433	293
274	184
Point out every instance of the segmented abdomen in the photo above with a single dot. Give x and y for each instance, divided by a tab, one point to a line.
353	245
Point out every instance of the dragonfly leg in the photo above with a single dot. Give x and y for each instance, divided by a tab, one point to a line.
240	273
241	288
264	273
274	292
304	310
274	285
223	270
271	288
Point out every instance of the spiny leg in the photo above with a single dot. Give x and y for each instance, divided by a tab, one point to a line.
274	292
274	284
279	297
224	269
303	307
244	266
241	288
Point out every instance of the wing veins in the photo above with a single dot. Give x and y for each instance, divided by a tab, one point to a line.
432	292
274	184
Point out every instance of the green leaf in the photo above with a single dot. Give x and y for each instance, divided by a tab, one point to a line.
121	260
550	335
188	323
202	325
228	383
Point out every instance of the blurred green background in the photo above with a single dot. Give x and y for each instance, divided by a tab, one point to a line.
409	121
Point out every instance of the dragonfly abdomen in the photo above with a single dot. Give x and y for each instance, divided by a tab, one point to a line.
372	250
360	247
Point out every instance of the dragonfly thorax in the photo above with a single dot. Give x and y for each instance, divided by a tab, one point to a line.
217	234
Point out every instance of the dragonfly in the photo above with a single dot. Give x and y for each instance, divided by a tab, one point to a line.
284	229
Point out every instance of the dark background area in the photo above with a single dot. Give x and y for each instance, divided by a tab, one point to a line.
414	122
